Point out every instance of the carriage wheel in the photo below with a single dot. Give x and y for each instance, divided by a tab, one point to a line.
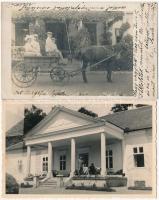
58	74
24	75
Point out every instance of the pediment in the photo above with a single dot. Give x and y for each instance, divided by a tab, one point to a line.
63	120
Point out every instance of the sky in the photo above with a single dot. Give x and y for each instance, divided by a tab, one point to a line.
15	112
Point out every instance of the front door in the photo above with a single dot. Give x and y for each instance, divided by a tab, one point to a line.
83	159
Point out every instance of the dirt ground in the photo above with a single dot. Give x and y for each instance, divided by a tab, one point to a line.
97	85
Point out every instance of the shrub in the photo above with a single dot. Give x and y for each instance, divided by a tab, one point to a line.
79	39
27	185
73	185
125	62
12	186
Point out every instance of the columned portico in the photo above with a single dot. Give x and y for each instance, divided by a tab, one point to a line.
81	138
50	159
73	155
103	154
28	159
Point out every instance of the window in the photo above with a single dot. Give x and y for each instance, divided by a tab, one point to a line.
21	30
63	162
45	164
84	158
59	32
138	156
109	159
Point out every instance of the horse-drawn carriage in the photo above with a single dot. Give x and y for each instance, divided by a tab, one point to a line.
25	72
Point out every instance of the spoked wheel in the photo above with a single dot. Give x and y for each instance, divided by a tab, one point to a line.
24	75
58	74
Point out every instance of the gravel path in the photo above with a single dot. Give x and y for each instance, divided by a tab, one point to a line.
97	85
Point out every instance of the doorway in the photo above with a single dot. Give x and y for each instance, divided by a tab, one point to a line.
59	33
84	159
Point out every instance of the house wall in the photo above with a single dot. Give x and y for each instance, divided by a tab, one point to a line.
128	17
12	166
36	161
143	139
56	158
94	151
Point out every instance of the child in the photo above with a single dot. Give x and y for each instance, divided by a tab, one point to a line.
51	47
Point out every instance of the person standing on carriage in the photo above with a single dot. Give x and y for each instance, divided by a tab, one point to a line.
51	47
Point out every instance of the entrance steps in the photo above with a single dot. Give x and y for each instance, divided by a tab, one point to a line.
51	182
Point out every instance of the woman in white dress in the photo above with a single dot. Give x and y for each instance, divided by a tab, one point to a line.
31	47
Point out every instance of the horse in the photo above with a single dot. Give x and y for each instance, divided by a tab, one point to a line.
97	55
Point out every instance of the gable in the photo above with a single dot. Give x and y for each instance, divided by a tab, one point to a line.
61	119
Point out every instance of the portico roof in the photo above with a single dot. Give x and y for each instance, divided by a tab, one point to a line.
88	121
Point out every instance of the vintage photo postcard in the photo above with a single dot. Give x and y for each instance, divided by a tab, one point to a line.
107	149
79	49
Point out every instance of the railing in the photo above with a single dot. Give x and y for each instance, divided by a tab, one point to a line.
17	52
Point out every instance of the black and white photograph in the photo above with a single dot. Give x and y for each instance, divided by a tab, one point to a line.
79	93
79	149
77	52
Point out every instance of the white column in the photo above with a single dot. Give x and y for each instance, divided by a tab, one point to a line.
50	153
28	159
13	32
123	154
103	154
73	155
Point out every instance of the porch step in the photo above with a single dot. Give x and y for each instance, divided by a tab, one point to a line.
49	183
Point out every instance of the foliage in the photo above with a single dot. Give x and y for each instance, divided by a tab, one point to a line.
91	188
124	27
106	36
116	18
12	186
87	112
140	105
125	47
79	39
92	16
120	107
32	117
